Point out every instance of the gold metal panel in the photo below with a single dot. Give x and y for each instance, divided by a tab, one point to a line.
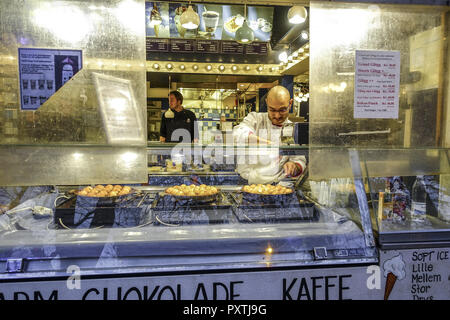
112	38
337	30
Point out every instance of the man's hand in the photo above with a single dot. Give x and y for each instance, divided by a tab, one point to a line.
254	139
291	169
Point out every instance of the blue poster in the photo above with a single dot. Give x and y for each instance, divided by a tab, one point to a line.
43	71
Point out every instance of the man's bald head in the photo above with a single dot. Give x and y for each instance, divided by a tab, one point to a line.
278	94
278	103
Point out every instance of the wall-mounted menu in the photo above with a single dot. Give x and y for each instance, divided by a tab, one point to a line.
43	71
232	47
157	45
377	83
217	22
182	45
208	46
257	48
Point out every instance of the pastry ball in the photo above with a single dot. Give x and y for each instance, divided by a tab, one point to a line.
92	194
99	186
108	188
83	193
113	194
88	189
127	189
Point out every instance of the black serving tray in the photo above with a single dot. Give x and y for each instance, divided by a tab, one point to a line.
275	208
172	211
93	212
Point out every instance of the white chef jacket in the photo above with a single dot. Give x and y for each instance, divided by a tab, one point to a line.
268	166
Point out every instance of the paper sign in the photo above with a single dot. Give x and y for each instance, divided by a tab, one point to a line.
121	117
43	71
377	82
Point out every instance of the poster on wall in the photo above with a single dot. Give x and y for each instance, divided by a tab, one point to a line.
211	22
377	83
157	19
43	71
176	29
122	119
217	22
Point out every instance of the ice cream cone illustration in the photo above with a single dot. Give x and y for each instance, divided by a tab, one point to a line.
390	281
394	269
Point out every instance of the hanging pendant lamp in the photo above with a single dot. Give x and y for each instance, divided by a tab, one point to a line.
190	19
245	34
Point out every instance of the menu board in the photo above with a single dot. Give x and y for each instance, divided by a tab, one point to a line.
377	82
232	47
182	45
43	71
208	46
157	45
217	22
257	48
122	120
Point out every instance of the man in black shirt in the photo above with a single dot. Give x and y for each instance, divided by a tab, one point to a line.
178	124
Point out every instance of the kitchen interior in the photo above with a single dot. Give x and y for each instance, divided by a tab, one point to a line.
222	88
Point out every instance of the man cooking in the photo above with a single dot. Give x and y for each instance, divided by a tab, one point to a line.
265	129
177	123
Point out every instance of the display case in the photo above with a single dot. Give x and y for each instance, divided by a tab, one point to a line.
150	229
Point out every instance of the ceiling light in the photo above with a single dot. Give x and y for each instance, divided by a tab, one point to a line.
297	14
190	19
195	67
260	68
221	67
234	68
283	57
208	67
169	66
305	35
182	67
247	68
155	66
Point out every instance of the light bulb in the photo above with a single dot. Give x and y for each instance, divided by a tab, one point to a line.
283	56
305	35
297	14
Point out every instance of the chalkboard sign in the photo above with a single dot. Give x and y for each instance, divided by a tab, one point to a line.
121	118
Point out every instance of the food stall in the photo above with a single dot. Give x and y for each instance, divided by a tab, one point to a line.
93	207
